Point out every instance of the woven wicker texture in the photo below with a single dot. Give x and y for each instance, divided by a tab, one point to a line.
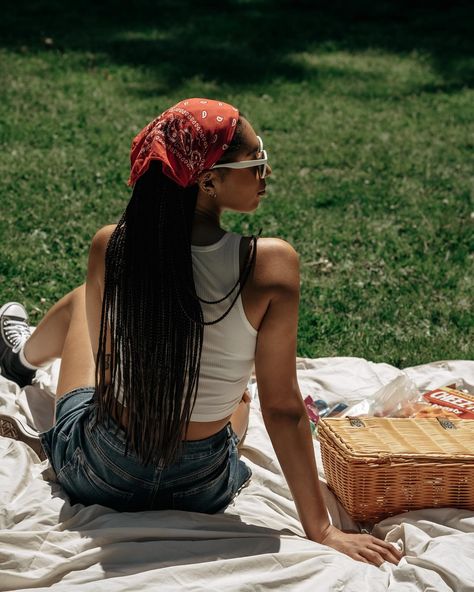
390	465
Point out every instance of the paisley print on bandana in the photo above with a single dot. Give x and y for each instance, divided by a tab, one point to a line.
187	138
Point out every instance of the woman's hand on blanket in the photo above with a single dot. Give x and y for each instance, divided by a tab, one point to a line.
362	547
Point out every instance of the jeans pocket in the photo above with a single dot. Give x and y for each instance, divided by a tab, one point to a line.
82	483
193	470
205	495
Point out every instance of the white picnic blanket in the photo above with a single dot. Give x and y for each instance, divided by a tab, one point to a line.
256	544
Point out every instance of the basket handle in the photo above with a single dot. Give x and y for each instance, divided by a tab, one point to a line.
446	423
356	422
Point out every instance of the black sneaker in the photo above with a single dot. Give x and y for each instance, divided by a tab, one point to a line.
14	332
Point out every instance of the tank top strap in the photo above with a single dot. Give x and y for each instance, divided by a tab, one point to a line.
232	255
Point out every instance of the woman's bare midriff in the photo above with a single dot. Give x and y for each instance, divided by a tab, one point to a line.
255	307
197	430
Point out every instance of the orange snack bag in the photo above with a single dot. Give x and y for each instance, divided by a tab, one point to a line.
435	411
422	409
457	402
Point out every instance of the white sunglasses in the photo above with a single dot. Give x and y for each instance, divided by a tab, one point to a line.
261	163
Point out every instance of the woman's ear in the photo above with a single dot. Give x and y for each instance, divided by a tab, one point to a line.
206	183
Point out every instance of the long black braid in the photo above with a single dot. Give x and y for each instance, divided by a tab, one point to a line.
153	317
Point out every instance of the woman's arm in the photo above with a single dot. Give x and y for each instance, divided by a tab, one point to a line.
95	286
283	409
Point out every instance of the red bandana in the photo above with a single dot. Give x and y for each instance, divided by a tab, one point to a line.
188	139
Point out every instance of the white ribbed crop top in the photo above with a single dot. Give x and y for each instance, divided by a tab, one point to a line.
228	350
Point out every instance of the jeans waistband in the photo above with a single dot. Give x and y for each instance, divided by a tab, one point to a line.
114	434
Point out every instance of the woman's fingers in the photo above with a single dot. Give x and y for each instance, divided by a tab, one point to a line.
393	551
377	551
385	553
386	550
372	556
362	547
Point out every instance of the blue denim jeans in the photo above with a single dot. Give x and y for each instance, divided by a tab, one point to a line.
92	467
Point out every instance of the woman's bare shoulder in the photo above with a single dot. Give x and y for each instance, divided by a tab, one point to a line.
102	236
96	263
276	247
276	265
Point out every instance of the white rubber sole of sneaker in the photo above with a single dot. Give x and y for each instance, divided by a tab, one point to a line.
11	427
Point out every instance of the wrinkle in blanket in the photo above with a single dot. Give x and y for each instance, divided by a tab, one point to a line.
256	544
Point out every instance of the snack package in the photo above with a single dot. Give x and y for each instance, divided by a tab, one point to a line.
458	403
336	410
318	408
421	409
312	410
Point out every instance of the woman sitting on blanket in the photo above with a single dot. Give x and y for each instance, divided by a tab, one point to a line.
178	311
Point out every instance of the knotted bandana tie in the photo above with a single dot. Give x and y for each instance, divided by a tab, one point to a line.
187	138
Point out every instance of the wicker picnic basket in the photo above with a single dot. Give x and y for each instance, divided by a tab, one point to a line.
380	466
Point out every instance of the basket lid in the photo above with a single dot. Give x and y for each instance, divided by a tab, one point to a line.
378	437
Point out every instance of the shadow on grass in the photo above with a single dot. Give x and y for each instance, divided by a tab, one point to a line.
242	42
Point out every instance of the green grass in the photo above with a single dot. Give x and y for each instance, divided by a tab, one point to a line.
366	113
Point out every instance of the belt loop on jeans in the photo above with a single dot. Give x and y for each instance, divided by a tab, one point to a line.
230	431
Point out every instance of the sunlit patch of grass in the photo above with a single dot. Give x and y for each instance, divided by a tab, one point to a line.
368	125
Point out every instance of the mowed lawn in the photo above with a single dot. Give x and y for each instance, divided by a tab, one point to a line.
366	111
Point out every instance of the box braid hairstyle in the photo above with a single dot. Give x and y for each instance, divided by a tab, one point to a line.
153	316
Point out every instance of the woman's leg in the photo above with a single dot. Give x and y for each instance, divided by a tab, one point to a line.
63	333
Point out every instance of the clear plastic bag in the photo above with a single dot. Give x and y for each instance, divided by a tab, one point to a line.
388	400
